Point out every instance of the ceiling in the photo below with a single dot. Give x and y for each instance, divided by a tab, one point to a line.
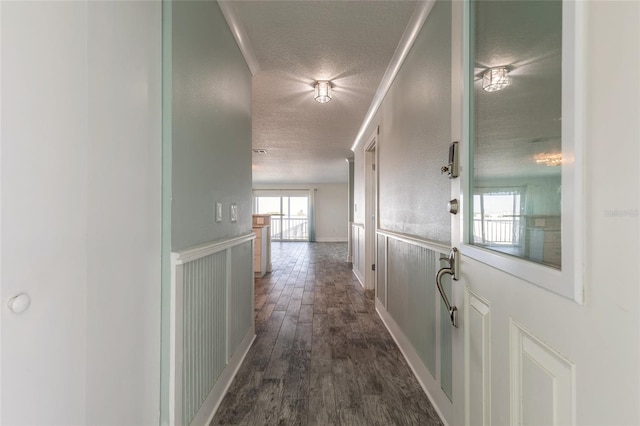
516	125
296	43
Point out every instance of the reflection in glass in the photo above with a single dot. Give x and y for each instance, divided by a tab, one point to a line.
516	109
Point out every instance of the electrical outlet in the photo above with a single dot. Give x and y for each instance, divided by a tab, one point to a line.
218	212
234	212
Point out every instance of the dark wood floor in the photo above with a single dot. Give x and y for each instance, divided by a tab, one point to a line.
322	356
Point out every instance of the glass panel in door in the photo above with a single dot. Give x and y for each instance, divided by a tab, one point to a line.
516	116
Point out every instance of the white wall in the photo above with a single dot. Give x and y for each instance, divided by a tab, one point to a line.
331	212
331	203
123	233
44	211
81	212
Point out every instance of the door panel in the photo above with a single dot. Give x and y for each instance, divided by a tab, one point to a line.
44	211
543	381
533	355
477	359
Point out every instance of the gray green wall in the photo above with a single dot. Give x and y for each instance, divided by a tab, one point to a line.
415	133
211	127
206	139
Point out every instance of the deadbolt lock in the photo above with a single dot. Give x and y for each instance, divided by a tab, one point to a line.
453	206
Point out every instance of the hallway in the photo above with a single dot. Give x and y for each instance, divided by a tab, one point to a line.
321	356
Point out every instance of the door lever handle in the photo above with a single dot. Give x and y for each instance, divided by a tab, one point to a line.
453	271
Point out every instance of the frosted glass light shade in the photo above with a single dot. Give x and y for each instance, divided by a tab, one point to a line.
495	79
323	92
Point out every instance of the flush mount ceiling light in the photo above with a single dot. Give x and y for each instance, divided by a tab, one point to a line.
323	91
495	79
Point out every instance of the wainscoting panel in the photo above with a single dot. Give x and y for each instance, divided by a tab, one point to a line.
204	326
411	308
411	299
357	241
211	325
477	358
543	382
381	271
241	289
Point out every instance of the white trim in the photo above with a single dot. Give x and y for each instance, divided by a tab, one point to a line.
212	403
1	297
197	252
237	29
175	344
482	307
568	282
561	371
229	302
358	276
441	248
356	269
350	243
427	382
370	211
178	259
404	46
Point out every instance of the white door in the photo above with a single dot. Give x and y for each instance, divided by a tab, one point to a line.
43	212
371	215
80	175
549	231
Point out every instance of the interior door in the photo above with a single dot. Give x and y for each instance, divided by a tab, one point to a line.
548	329
43	212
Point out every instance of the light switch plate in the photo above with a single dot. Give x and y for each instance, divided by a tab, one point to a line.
234	212
218	212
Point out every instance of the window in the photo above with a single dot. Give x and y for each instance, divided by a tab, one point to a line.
289	216
497	220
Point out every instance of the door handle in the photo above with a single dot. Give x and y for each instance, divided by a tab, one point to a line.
453	271
20	303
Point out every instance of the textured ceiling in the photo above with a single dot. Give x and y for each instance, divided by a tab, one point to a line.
297	43
525	119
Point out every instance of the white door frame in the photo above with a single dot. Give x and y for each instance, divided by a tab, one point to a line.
457	291
370	212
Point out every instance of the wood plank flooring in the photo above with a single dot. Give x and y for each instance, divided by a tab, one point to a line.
322	355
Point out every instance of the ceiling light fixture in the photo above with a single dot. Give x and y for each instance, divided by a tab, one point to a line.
549	160
323	91
495	79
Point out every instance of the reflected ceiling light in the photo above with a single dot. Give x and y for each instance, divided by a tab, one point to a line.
323	91
495	79
548	159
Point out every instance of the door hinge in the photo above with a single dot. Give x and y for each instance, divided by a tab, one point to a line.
373	267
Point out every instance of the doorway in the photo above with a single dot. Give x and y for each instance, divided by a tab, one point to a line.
371	215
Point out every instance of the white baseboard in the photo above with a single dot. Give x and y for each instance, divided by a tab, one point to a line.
430	386
331	239
358	276
219	390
